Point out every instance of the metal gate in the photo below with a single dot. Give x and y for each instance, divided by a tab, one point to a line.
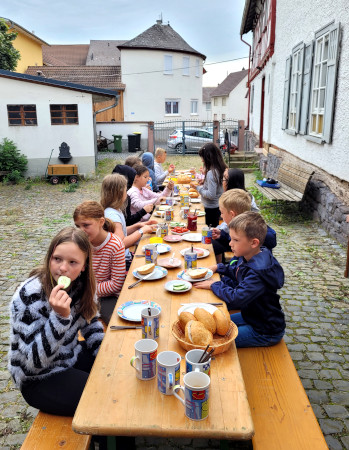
188	136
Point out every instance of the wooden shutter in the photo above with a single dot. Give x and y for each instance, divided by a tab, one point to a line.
332	65
299	84
286	92
306	88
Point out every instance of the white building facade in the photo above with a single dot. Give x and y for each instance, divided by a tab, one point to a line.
36	133
234	105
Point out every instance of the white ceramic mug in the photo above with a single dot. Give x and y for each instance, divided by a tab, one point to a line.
169	371
184	212
192	365
145	358
150	323
196	395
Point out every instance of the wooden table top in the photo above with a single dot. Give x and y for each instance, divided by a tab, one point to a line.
115	402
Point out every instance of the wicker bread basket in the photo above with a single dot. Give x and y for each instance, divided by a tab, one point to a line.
220	343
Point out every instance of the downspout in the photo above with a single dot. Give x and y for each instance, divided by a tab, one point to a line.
248	81
94	122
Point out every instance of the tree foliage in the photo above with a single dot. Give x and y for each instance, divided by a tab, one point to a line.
9	56
12	161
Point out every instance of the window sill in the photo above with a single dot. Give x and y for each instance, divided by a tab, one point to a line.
291	132
168	73
185	74
194	114
317	140
171	115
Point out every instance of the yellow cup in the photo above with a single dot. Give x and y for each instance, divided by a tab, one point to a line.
156	240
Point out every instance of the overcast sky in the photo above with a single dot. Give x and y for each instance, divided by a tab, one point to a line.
212	28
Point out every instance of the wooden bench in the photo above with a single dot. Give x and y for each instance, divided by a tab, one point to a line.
54	432
282	415
293	180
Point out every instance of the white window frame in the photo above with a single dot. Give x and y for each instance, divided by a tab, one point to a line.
172	102
208	106
185	66
295	88
197	67
168	62
194	105
224	101
215	101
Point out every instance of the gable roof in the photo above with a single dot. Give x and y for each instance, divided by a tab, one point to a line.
105	77
206	93
19	28
104	53
160	37
97	93
65	55
249	16
230	83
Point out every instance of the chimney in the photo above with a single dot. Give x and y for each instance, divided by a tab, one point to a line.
159	22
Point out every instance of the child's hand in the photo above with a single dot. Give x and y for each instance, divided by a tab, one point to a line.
193	185
60	301
147	229
148	208
203	284
216	233
170	185
149	222
213	268
171	168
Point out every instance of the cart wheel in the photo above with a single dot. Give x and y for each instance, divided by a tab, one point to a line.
54	180
73	179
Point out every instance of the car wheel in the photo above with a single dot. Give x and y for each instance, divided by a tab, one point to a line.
179	148
54	180
73	179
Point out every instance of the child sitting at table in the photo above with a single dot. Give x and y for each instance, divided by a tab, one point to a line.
108	254
231	204
250	284
141	196
160	173
47	362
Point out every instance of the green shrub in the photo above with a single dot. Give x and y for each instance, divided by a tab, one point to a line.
12	160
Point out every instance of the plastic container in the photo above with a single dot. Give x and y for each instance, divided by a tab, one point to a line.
117	143
138	140
131	143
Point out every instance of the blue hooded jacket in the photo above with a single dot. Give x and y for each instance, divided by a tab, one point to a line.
148	162
251	286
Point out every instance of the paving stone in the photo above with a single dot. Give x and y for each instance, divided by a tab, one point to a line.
330	374
335	357
323	385
316	396
296	356
330	426
345	442
341	385
342	398
333	443
336	411
318	411
305	373
315	356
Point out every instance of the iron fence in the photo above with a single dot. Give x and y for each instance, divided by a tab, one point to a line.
187	137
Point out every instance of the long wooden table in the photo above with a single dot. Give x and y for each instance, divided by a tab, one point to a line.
115	402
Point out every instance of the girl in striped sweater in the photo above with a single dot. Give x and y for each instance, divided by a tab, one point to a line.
108	254
47	362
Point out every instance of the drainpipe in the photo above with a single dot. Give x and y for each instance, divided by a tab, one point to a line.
248	81
94	122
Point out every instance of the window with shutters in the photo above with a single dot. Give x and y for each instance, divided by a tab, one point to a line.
22	115
310	86
64	114
168	65
185	65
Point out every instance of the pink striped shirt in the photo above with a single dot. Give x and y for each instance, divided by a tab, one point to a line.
108	261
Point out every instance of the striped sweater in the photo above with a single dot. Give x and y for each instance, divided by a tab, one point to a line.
109	266
41	341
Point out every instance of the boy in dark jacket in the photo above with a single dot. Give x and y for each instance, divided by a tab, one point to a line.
250	283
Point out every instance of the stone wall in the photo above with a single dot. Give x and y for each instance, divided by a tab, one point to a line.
326	197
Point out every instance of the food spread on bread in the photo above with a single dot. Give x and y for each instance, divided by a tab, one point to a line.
197	273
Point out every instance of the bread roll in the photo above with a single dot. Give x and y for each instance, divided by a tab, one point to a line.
206	318
197	334
147	268
193	194
184	318
222	322
197	273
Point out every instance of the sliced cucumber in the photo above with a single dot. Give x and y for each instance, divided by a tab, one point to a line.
65	281
179	287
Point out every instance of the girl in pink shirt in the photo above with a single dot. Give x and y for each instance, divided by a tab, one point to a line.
141	196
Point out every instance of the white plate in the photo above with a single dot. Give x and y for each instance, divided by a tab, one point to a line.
199	213
180	234
173	224
160	248
169	286
192	237
183	276
206	252
195	200
190	307
157	274
132	310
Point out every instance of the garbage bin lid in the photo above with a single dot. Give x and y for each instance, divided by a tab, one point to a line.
137	132
117	135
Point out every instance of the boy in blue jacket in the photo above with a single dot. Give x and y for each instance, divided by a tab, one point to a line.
250	284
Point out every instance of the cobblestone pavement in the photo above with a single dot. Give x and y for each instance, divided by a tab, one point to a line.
315	299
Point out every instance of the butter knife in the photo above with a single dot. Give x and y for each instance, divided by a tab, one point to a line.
207	303
137	282
124	327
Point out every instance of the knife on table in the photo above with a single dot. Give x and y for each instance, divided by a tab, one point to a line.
137	282
124	327
206	303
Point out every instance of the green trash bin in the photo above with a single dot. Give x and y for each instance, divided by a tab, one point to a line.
117	143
